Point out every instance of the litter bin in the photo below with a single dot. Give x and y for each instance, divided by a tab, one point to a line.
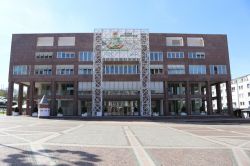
245	113
43	108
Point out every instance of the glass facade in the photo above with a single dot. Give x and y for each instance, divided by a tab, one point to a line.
85	56
176	69
197	69
172	55
21	70
121	69
156	56
65	55
218	69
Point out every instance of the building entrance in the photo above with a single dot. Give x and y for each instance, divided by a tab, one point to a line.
121	108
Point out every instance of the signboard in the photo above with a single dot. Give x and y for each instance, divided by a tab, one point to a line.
121	44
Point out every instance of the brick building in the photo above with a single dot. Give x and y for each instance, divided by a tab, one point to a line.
121	72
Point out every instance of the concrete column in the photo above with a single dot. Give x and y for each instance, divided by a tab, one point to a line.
10	98
28	111
75	109
165	101
31	97
188	98
218	97
20	98
209	98
229	98
53	106
161	108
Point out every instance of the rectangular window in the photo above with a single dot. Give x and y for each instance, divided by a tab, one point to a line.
195	41
85	70
64	69
176	69
66	41
174	41
175	55
44	55
43	70
45	41
197	69
156	56
248	94
65	55
20	70
233	89
85	56
120	69
248	85
218	69
196	55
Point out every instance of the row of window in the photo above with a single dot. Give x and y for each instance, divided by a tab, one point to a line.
88	56
62	41
241	87
170	41
191	41
119	69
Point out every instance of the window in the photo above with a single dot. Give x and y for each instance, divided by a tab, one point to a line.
20	70
196	55
156	56
197	69
120	69
65	55
66	41
85	69
174	41
176	69
248	85
241	87
176	88
233	89
175	54
85	56
195	41
242	103
43	70
248	94
45	41
121	59
44	55
218	69
156	69
64	70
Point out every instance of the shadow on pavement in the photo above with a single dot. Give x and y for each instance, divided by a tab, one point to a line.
21	159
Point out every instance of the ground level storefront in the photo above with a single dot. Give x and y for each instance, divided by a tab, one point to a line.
167	99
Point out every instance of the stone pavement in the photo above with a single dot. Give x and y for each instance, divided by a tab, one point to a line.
32	141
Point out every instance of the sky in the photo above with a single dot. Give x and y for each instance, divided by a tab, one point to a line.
231	17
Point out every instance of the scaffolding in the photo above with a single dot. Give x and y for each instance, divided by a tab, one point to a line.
120	43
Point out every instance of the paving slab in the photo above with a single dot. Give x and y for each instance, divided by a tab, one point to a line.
165	137
192	157
94	135
91	156
17	156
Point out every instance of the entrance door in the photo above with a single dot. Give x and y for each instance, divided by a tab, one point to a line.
120	108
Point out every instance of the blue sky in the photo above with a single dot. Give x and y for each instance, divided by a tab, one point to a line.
231	17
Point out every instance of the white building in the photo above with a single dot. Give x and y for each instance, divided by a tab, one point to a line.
240	93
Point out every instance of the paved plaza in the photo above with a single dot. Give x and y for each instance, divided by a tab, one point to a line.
32	141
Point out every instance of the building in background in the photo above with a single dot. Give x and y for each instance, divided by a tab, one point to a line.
240	93
123	72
